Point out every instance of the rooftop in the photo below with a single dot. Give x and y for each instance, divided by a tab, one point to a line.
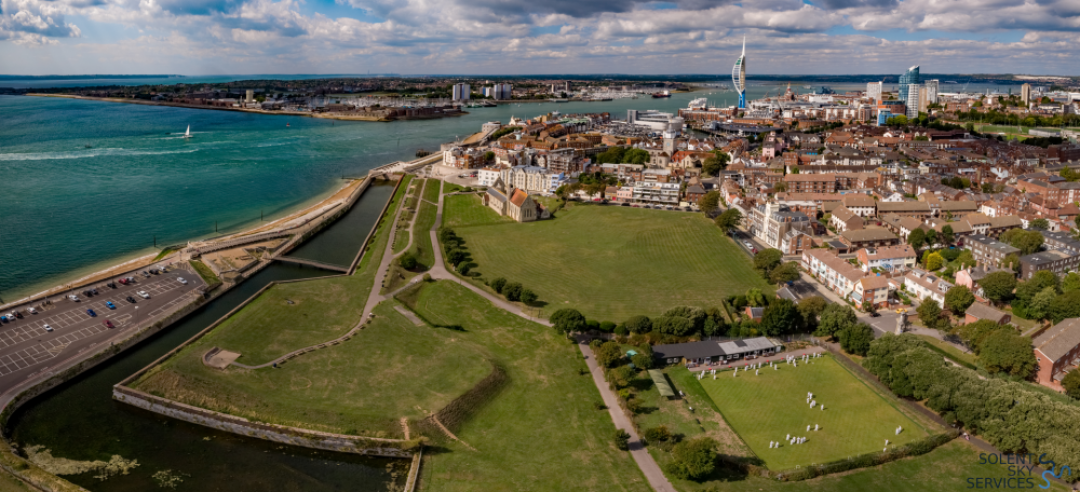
1056	342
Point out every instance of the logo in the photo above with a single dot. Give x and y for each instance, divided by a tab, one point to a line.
1060	472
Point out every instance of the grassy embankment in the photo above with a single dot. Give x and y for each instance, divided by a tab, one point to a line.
609	262
206	273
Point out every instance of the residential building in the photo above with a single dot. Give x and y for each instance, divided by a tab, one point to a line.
835	273
888	258
771	222
873	289
532	179
923	284
1061	240
932	88
860	204
1055	260
913	100
873	91
1025	94
987	250
868	238
488	176
911	77
979	311
657	193
1057	351
843	220
461	92
910	209
811	183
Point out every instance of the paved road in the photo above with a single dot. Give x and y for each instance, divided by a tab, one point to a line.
27	348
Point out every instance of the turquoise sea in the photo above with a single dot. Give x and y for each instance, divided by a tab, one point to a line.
87	183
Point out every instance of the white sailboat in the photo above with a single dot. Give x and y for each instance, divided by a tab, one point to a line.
187	134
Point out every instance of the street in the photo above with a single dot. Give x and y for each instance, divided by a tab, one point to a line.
27	347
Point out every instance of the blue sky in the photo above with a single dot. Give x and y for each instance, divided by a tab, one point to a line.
201	37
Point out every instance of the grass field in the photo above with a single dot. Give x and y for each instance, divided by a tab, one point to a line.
609	262
391	369
461	210
422	243
431	191
764	408
542	432
953	352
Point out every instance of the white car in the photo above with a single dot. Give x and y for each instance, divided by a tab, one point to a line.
181	280
748	245
143	294
32	310
74	297
47	327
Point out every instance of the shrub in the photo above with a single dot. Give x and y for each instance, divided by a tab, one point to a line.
608	354
656	434
567	320
407	261
512	291
464	268
427	277
1071	382
622	439
621	330
693	459
498	284
592	324
639	324
607	326
528	296
855	339
456	256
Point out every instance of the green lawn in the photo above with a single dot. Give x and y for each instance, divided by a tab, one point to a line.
461	210
953	352
768	407
542	432
422	243
949	468
431	191
391	369
609	262
205	273
451	188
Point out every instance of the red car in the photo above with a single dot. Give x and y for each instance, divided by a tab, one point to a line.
123	281
108	324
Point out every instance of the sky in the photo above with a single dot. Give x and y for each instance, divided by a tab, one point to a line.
211	37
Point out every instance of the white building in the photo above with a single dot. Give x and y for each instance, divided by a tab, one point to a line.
932	90
873	91
502	91
922	285
461	92
488	176
659	193
655	120
912	100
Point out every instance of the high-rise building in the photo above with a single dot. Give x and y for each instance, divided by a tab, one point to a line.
503	91
1025	93
873	91
912	100
250	96
738	76
924	98
909	77
932	90
461	92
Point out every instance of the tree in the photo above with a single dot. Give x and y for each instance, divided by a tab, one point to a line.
780	187
958	299
931	237
568	320
755	298
835	317
1039	306
672	325
933	260
1006	351
709	200
693	459
407	261
730	219
714	164
1071	282
512	291
1040	280
456	256
788	272
608	354
1026	241
929	312
639	324
1011	261
1071	382
780	318
642	361
528	296
973	334
917	239
810	308
966	259
766	260
947	235
497	285
998	286
856	338
1065	306
1041	224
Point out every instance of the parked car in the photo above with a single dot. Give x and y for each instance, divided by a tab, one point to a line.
131	299
110	305
47	327
144	274
13	315
74	297
91	313
3	319
94	291
748	245
123	281
181	280
750	357
753	250
143	294
108	324
31	310
112	285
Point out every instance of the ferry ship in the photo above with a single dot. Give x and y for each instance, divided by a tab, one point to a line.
660	95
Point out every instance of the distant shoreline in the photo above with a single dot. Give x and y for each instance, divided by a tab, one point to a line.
325	116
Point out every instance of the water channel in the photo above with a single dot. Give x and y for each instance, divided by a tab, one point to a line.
79	420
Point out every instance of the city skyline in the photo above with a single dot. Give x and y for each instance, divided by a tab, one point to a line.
418	37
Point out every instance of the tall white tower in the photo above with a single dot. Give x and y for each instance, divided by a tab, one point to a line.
738	76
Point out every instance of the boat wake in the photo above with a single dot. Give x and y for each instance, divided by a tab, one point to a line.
89	153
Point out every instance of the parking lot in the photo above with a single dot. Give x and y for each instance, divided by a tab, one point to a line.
27	345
